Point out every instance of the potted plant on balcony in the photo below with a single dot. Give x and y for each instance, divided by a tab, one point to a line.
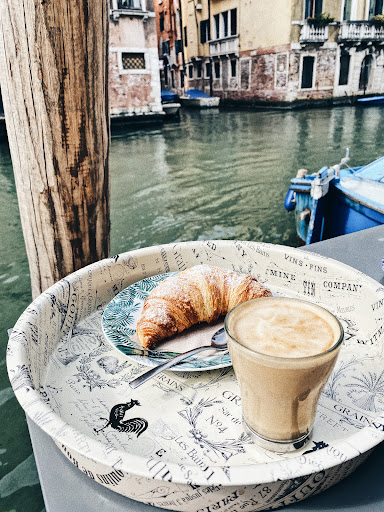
378	20
320	20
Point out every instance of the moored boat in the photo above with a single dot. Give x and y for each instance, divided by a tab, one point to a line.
371	100
199	99
337	200
168	96
169	100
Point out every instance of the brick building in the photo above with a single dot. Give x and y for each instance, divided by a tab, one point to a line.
170	44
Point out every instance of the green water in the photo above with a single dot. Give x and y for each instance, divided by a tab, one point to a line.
213	175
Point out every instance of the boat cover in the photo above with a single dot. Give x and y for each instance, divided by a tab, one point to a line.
167	95
373	171
196	93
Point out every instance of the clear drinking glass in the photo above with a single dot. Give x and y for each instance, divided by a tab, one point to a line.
280	384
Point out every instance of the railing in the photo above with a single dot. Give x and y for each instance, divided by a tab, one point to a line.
311	33
229	45
360	31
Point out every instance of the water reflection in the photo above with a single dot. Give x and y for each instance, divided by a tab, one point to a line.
225	174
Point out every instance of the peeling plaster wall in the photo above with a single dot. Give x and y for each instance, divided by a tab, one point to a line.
138	91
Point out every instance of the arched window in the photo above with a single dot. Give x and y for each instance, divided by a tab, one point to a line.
365	72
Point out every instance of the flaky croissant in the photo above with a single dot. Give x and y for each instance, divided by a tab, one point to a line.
199	294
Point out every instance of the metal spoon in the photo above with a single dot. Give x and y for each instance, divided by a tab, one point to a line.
218	342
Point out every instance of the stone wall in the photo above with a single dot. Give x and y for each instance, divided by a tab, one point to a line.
275	74
134	91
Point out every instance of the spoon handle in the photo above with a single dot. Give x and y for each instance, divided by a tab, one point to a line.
163	366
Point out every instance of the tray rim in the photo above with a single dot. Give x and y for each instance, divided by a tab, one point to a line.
64	434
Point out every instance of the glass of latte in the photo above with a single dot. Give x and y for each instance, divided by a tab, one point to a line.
283	351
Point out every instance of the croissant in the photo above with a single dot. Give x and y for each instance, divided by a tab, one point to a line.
199	294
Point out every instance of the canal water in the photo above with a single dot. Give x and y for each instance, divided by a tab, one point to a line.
213	175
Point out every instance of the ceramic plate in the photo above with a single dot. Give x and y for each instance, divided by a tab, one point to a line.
119	325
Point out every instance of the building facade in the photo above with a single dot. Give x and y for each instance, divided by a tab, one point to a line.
134	79
285	50
170	44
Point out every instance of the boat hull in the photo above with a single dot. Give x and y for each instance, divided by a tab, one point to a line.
200	102
350	202
345	214
171	109
373	100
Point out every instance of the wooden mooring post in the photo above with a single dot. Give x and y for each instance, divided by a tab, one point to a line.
54	83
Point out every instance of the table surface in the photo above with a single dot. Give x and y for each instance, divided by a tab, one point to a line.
66	489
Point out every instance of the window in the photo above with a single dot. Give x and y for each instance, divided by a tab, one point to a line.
224	16
365	72
217	26
165	47
185	37
344	68
233	22
204	31
129	4
375	7
217	69
161	22
190	71
199	69
313	7
225	24
233	68
347	11
133	60
178	46
307	73
208	69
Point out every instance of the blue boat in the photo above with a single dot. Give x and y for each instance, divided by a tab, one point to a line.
199	99
371	100
337	200
171	107
168	96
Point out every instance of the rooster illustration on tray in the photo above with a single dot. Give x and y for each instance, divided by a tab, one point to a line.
116	420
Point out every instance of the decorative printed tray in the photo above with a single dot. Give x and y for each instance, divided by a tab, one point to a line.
177	441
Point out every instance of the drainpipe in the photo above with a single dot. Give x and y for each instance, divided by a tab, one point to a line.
182	75
210	58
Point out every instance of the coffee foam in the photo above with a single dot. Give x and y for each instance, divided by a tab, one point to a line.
289	328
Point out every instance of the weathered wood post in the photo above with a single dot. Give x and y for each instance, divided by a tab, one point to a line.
54	82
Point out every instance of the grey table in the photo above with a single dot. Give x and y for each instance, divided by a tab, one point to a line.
66	489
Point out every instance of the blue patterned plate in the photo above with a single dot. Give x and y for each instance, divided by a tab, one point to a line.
119	325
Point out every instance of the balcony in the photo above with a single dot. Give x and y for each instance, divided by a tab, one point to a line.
225	46
129	8
360	31
311	33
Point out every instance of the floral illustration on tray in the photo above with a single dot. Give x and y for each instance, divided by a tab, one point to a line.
226	448
367	391
336	377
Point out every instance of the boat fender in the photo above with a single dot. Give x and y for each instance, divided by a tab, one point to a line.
290	200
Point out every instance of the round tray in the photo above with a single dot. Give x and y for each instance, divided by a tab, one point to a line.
177	442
